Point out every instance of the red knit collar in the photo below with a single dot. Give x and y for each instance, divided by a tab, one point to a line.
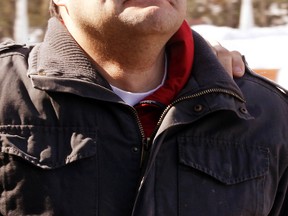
180	55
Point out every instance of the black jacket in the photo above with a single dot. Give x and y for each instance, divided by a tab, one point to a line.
71	147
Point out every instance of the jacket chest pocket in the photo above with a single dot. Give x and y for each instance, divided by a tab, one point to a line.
221	178
51	166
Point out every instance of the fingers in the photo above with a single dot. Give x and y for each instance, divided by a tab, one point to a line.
238	66
225	58
231	60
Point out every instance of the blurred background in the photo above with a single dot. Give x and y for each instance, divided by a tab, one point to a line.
256	28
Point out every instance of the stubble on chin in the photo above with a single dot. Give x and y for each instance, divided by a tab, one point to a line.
151	21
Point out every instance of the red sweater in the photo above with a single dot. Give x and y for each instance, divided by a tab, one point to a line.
180	55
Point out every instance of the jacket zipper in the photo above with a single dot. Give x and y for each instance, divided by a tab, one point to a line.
144	140
147	142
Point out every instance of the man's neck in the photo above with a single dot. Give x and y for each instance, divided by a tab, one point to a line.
134	64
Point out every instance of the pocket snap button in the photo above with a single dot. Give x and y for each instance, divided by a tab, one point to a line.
243	110
135	149
198	108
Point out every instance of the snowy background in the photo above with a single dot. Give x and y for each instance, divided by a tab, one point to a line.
263	48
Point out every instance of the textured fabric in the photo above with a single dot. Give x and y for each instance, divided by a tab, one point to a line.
70	146
180	54
180	51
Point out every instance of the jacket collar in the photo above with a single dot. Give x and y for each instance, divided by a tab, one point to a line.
59	56
207	72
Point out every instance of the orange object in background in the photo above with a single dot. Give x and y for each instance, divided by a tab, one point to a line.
268	73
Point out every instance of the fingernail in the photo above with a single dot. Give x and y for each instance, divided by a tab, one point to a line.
238	70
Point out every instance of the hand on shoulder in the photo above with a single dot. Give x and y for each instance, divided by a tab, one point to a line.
232	61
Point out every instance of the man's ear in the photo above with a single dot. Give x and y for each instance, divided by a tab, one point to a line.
60	2
61	5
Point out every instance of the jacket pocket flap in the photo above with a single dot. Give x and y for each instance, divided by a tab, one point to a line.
229	163
48	147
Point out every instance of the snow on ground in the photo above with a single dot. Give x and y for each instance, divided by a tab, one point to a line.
263	48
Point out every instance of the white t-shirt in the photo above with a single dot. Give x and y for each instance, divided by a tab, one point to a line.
133	98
